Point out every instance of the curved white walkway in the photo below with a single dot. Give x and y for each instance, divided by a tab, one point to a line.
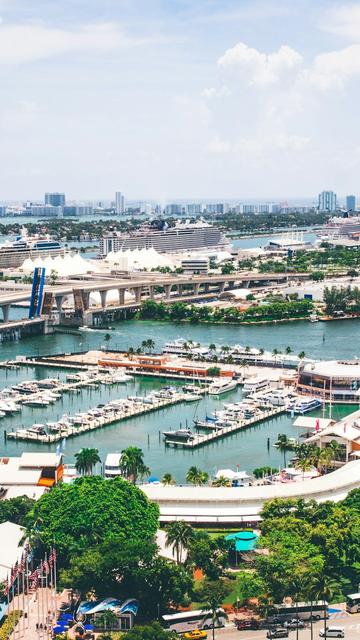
244	504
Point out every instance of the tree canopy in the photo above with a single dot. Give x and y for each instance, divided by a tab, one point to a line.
90	511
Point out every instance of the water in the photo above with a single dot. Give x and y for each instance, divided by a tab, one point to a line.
248	448
261	241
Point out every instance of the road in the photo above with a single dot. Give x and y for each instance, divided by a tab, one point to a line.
350	623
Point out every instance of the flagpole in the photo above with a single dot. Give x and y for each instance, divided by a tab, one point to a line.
23	593
42	595
46	593
55	579
38	604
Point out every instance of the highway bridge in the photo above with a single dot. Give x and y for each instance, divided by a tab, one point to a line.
140	287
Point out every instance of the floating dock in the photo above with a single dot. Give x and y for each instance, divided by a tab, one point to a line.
200	440
117	415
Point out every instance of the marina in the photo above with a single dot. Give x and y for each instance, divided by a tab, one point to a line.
246	447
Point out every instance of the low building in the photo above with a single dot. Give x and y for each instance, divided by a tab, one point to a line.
199	266
334	380
11	547
30	475
346	433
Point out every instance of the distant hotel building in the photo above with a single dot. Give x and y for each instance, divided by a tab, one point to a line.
119	203
327	201
350	203
55	199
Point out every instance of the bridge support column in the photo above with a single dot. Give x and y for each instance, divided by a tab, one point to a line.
59	299
103	296
167	288
221	286
196	286
152	292
121	296
137	293
6	311
180	289
206	287
86	299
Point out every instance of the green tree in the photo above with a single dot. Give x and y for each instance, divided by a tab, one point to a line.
221	482
178	536
73	517
132	464
323	589
153	631
16	509
283	444
214	594
196	476
168	479
86	460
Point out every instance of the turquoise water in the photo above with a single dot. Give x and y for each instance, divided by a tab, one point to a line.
248	449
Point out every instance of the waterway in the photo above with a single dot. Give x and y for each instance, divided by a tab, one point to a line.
248	449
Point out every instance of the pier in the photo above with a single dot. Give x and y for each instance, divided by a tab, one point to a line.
199	440
127	409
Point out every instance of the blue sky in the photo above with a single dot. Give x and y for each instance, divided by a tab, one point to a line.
171	99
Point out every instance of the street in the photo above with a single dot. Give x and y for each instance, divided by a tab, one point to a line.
350	623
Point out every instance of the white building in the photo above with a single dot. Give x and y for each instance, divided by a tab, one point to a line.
119	203
327	201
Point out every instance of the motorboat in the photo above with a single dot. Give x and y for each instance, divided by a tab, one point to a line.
180	435
304	405
222	386
254	385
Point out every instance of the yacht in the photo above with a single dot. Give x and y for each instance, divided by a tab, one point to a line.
304	405
253	385
180	435
222	386
112	465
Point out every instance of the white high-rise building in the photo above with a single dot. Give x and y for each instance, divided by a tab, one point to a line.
119	202
327	201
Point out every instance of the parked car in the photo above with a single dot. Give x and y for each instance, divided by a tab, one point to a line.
294	623
196	634
281	632
332	632
243	625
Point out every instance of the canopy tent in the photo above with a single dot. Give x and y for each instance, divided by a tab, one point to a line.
244	540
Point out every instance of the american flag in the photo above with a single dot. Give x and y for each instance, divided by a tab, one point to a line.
14	572
7	587
52	556
34	580
46	567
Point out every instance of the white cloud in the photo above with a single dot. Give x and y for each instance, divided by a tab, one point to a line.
213	92
219	146
28	42
344	21
331	70
261	68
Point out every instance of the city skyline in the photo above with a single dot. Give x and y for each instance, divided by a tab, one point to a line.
167	98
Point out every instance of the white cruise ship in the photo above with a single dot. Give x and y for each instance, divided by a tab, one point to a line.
14	253
183	236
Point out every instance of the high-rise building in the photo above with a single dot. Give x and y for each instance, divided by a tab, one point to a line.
327	201
350	203
55	199
119	203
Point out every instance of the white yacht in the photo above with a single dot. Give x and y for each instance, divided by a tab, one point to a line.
304	405
253	385
112	465
222	385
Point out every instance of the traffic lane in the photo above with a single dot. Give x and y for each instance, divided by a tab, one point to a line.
351	624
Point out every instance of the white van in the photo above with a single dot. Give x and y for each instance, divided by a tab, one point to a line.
332	632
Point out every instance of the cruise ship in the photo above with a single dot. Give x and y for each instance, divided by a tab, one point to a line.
183	236
14	253
341	227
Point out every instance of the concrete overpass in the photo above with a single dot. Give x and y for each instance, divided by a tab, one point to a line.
140	286
239	505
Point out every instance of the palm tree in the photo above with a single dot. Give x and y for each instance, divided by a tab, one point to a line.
86	459
179	534
335	448
283	444
297	588
301	355
303	464
288	350
132	464
212	606
168	479
325	458
221	482
196	476
322	588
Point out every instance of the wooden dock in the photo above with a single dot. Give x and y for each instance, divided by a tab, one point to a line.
200	440
118	415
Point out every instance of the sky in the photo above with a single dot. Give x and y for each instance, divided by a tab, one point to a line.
166	99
